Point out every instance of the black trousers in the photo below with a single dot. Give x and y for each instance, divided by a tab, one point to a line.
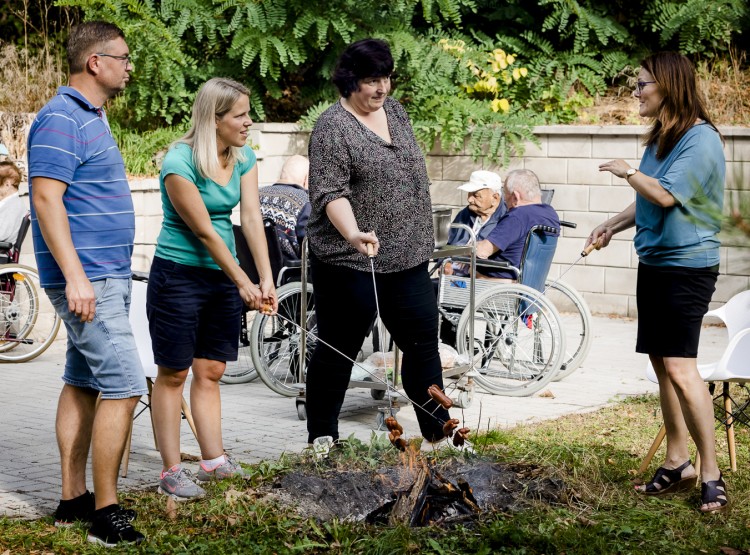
345	308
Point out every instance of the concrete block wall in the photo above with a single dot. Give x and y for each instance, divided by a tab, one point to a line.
566	159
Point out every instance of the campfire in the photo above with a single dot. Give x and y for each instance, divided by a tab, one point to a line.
415	491
431	499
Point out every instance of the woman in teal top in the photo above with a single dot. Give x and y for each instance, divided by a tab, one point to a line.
196	286
679	196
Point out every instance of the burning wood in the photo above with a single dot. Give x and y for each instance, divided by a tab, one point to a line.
431	499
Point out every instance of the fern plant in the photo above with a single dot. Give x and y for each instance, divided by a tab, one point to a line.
696	26
588	26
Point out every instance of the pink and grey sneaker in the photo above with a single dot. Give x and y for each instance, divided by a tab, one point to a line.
228	469
179	484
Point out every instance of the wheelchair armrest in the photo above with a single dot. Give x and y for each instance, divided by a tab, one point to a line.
481	262
5	246
292	264
140	276
572	225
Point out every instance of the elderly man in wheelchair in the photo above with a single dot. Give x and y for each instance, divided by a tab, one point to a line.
514	334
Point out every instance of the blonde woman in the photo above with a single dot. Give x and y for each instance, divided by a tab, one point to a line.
196	287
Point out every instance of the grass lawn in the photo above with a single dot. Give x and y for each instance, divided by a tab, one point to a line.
594	454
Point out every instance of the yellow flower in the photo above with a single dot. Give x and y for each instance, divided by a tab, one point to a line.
511	58
500	60
500	104
516	74
524	72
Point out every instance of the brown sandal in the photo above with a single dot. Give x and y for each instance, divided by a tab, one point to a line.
668	481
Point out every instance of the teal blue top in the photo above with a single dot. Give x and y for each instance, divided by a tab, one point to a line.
684	234
176	240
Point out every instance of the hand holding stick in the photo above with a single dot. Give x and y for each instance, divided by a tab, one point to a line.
596	245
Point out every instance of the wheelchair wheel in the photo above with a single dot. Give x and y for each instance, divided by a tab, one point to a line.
576	324
518	343
275	341
28	322
241	370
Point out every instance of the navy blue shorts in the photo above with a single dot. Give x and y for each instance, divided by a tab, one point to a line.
672	302
192	313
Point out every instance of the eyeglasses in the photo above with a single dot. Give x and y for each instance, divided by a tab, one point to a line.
640	85
127	59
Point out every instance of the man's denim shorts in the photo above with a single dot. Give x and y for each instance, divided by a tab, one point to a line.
102	355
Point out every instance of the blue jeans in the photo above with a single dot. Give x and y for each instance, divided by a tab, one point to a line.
102	355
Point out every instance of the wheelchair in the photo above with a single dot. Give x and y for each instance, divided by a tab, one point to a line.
277	348
284	271
514	334
28	322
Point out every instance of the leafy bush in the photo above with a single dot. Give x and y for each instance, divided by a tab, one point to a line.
695	26
284	50
453	89
143	151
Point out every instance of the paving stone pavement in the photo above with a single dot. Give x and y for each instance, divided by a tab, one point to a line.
261	425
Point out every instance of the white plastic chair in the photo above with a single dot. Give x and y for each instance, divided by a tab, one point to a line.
139	324
733	366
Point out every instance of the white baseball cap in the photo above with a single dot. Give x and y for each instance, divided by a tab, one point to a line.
482	179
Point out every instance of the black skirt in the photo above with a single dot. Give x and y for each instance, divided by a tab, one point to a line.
671	304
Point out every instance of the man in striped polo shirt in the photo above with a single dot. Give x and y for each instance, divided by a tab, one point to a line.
83	227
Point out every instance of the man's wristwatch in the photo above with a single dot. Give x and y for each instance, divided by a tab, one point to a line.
630	173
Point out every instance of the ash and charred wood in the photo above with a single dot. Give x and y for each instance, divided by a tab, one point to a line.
404	506
432	500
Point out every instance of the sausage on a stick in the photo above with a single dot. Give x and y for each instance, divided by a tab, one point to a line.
439	397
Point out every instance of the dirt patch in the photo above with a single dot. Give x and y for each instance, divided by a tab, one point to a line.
352	495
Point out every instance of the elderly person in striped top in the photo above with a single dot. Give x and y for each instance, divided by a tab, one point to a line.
369	187
83	226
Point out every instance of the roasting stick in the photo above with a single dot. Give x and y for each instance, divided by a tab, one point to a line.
391	423
374	376
381	335
437	394
434	391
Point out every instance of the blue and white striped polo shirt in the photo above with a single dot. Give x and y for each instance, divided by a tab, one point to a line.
70	141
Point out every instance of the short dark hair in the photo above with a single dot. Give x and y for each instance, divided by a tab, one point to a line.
362	59
87	38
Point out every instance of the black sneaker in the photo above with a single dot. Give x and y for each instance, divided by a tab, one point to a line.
81	509
78	509
111	526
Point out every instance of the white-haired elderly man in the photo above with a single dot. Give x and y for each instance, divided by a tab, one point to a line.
523	196
485	206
